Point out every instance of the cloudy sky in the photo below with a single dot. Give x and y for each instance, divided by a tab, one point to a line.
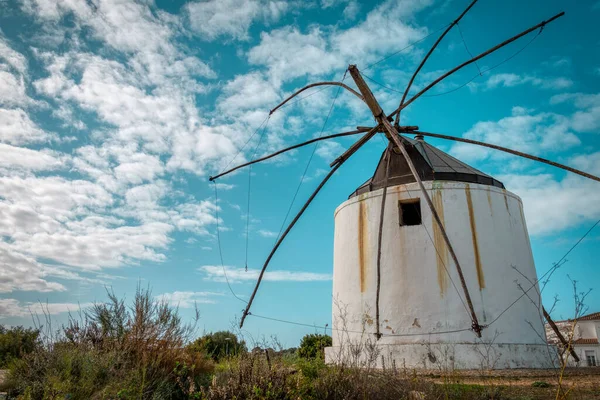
114	113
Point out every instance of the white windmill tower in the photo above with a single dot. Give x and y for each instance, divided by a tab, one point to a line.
423	317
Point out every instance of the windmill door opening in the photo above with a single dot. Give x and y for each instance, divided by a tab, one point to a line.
409	212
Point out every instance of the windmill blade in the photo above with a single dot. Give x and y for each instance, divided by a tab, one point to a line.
388	155
340	84
357	145
412	79
472	60
288	229
510	151
336	135
559	335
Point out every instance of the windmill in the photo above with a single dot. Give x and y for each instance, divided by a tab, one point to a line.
388	283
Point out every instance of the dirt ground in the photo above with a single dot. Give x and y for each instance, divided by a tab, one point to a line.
582	383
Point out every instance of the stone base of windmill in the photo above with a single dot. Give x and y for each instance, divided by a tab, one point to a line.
445	356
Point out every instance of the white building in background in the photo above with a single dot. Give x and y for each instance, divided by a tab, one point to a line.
424	322
585	339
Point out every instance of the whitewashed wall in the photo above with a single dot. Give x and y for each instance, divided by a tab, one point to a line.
418	296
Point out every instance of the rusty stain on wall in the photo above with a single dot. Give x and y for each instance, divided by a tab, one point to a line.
480	277
489	198
523	222
363	244
506	202
440	243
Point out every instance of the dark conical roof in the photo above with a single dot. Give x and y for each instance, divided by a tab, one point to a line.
431	163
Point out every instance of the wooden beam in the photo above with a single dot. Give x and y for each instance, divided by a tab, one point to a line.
288	229
560	336
472	60
340	84
510	151
412	79
335	135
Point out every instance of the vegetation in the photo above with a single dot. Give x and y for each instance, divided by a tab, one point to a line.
143	351
313	346
16	342
219	345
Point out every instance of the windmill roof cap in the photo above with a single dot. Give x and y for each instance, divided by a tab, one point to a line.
431	163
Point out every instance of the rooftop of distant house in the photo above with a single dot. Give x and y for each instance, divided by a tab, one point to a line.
589	317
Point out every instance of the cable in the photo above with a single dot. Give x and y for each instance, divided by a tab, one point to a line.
262	134
220	250
382	85
245	144
554	268
405	48
309	160
486	70
466	47
464	84
349	331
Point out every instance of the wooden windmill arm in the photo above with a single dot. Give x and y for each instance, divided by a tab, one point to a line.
412	79
335	135
507	150
472	60
340	84
560	336
282	237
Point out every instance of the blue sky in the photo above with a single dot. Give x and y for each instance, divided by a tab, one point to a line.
114	113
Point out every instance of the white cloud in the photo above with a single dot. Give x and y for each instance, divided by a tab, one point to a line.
587	162
17	128
524	130
16	308
511	80
23	158
288	53
64	220
231	18
329	150
587	116
215	273
12	57
266	233
387	28
12	89
225	186
250	91
351	10
553	205
188	299
20	272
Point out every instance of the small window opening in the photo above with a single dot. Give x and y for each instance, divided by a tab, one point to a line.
410	212
590	356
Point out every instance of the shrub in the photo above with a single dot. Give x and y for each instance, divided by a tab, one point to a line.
219	345
313	345
115	351
15	342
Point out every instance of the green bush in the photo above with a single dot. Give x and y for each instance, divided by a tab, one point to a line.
313	345
115	352
219	345
16	342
